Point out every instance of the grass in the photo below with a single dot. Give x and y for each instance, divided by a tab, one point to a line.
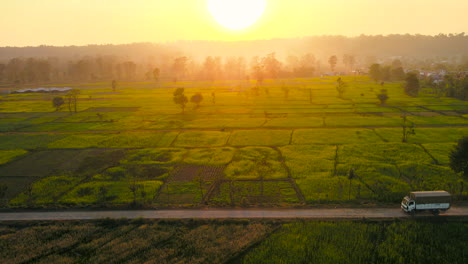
440	151
139	140
201	139
9	155
49	162
111	192
256	162
210	156
352	242
260	138
298	158
18	141
334	136
46	191
425	135
155	156
80	141
245	193
388	153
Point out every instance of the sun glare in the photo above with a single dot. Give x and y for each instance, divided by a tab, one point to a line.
236	14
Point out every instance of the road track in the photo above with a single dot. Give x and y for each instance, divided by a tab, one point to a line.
325	214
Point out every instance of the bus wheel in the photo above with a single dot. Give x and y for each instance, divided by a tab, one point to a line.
435	212
413	212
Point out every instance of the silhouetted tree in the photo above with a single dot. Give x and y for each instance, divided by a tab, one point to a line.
179	67
374	72
385	73
396	63
459	157
271	65
382	96
156	73
397	74
196	99
412	84
341	87
180	98
333	60
58	102
72	98
3	190
114	85
285	90
351	176
408	129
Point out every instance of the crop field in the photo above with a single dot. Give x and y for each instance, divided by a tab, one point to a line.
233	241
240	147
348	242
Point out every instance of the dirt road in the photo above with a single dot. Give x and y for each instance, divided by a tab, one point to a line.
354	213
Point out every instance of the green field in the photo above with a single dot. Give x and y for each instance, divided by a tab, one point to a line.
136	146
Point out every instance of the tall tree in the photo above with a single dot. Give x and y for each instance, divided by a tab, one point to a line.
374	72
58	102
114	85
196	99
459	157
257	69
341	87
72	98
180	98
156	73
385	73
179	67
397	74
383	97
412	84
333	60
408	128
271	65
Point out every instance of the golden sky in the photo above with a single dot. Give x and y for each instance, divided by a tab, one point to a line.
78	22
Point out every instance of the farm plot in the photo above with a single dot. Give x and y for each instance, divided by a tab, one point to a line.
45	163
334	136
390	170
362	120
155	156
352	242
18	141
255	163
139	140
121	185
190	185
9	155
309	161
13	186
80	141
70	168
440	151
424	135
260	137
210	156
122	241
101	192
248	192
201	139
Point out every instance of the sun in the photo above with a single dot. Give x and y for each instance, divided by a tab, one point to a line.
236	14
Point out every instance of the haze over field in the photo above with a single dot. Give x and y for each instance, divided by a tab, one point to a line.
80	22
